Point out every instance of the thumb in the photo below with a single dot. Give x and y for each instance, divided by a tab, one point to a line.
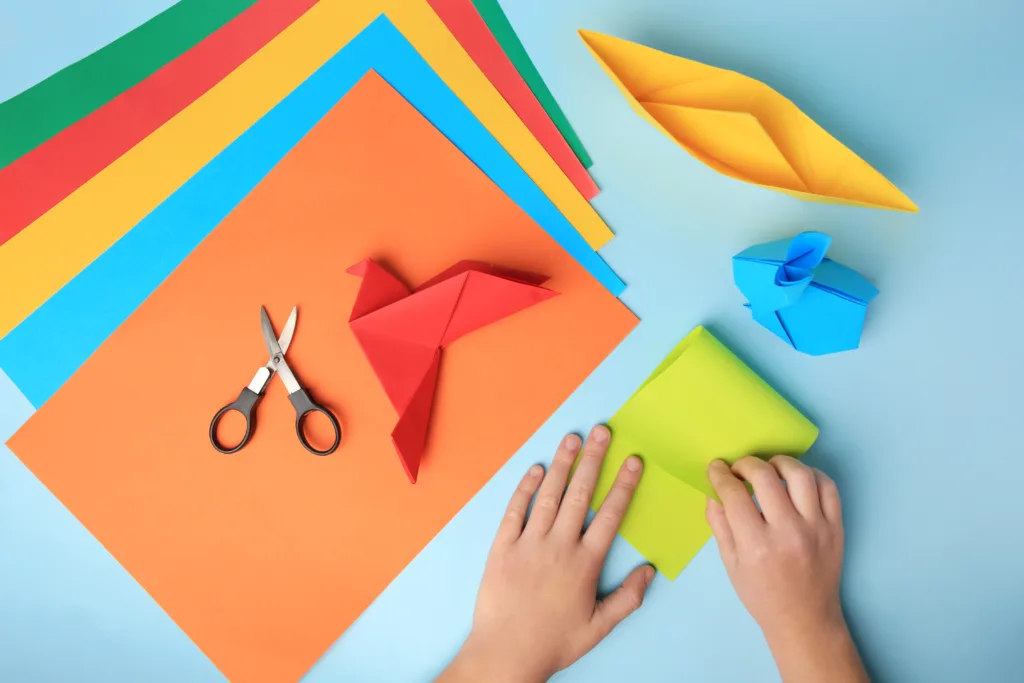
626	599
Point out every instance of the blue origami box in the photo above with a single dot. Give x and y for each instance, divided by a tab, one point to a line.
812	303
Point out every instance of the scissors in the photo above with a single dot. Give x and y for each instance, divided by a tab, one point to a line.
251	395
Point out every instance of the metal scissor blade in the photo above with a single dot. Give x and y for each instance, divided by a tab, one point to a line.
277	363
285	340
269	338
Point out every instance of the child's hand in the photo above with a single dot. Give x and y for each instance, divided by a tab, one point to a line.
785	563
537	611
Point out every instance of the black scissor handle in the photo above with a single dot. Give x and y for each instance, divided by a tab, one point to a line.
304	405
244	404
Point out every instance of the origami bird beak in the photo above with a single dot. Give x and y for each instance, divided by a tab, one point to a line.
359	269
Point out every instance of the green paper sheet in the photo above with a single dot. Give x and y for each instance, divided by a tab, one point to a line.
37	114
502	29
702	403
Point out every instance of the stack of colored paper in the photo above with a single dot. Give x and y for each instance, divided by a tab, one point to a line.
236	154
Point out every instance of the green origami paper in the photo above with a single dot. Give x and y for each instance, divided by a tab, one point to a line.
702	403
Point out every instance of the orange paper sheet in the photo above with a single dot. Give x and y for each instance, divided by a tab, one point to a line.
265	557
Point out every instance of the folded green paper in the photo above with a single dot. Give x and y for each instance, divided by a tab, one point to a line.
700	404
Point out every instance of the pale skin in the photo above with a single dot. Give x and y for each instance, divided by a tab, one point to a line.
538	610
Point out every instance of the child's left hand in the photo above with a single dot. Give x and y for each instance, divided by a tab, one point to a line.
537	611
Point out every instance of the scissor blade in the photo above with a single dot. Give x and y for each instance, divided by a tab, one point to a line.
269	338
285	340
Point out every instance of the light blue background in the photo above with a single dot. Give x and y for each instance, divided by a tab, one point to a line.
918	426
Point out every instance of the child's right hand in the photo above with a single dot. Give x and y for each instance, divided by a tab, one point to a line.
785	563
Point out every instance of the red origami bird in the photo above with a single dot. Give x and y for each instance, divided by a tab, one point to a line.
402	332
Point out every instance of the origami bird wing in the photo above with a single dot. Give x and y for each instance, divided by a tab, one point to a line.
480	267
419	318
447	309
487	298
741	127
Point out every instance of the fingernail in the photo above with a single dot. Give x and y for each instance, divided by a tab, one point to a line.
535	471
649	575
719	465
633	463
600	434
572	442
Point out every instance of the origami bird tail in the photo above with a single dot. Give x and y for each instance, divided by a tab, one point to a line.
410	432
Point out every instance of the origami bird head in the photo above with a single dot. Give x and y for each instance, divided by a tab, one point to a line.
813	303
402	332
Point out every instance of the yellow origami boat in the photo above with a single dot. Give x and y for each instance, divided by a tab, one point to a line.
741	127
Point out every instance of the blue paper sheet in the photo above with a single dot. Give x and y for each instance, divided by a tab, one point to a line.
51	344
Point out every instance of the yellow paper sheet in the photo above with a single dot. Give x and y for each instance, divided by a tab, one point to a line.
46	255
741	127
702	403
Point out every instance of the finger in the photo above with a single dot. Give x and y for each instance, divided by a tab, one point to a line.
625	600
771	494
576	502
715	514
511	526
608	519
828	494
740	511
550	496
800	484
